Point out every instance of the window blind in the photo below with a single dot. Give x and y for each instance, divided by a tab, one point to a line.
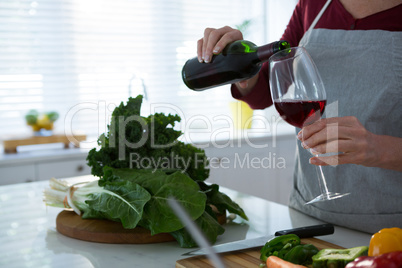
81	58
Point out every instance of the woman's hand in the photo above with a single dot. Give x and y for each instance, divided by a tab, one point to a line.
213	42
352	143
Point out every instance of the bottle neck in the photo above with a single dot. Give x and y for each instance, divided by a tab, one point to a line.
266	51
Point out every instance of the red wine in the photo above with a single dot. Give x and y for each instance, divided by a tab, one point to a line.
300	112
238	61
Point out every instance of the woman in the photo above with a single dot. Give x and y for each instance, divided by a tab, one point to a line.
356	45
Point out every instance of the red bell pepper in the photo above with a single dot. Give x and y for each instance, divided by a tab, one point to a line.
386	260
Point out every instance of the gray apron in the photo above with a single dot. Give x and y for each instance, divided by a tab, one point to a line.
362	74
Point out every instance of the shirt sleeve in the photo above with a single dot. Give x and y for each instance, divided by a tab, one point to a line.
260	96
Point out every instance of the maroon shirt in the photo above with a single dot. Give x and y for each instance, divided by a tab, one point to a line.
334	17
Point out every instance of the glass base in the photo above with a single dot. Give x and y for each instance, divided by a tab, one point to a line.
326	197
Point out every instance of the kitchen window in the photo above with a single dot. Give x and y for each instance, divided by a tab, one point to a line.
81	58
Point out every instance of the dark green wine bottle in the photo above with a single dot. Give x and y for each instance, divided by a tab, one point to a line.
238	61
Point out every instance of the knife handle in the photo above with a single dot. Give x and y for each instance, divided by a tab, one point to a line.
309	231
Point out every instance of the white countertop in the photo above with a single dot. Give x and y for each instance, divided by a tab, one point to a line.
28	237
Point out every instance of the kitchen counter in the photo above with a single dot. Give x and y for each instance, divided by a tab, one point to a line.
28	237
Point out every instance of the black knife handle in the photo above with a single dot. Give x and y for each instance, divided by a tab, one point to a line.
309	231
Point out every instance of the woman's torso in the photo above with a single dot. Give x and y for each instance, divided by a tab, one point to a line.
362	72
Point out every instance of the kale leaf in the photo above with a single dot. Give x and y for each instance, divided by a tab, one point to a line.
137	142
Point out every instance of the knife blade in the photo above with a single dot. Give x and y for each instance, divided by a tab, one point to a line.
302	232
195	232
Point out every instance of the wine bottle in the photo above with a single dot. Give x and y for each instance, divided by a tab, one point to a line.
238	61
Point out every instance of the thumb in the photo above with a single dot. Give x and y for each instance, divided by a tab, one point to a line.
243	84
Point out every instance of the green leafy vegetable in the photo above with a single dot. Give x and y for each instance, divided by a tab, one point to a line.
141	163
121	201
132	138
207	223
221	201
161	187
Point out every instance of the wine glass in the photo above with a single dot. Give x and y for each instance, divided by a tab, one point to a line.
299	97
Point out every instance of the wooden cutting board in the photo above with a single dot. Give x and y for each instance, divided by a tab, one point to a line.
10	145
242	258
72	225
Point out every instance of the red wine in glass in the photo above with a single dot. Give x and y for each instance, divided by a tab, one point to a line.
299	113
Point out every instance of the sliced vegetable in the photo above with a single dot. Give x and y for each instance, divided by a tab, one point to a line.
301	254
279	246
386	240
337	258
387	260
276	262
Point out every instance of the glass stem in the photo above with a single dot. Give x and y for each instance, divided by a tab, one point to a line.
322	183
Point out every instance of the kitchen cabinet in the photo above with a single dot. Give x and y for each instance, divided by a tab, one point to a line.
17	174
261	166
62	169
42	165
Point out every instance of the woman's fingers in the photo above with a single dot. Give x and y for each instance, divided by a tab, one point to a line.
313	136
334	146
339	159
215	40
345	138
202	44
309	130
347	121
207	43
325	135
325	161
227	35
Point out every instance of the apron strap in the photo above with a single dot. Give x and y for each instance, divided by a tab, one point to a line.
319	15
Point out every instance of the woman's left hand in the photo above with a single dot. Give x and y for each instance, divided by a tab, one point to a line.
351	142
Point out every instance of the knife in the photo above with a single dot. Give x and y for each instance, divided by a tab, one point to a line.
195	232
302	232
